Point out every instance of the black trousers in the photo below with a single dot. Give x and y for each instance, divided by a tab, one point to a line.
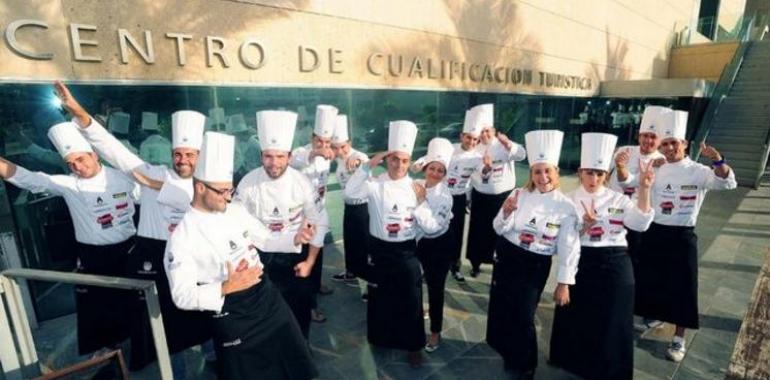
315	277
394	312
457	228
436	260
667	282
518	280
102	313
184	328
593	335
256	337
481	234
296	291
355	233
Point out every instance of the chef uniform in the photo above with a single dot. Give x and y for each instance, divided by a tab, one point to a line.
434	236
317	171
160	213
490	188
667	282
593	335
649	124
155	149
394	311
255	334
283	204
355	218
544	225
102	208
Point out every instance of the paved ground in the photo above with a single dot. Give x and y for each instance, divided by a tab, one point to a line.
734	231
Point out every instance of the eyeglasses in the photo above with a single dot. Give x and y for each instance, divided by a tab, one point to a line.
598	173
221	192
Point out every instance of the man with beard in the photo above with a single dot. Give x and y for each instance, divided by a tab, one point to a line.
214	266
667	282
491	185
282	198
160	213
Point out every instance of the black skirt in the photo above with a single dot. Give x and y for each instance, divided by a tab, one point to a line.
457	227
518	280
394	311
296	291
102	313
355	233
667	282
593	335
481	235
184	328
256	337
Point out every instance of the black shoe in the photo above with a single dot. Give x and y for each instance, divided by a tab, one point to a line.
475	272
458	276
365	297
344	276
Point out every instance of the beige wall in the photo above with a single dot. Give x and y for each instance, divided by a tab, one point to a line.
706	61
587	41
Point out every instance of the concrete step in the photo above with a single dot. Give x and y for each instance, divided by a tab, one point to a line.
730	149
745	115
741	155
728	130
737	139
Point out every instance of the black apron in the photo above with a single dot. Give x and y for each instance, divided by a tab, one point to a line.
184	328
481	234
593	336
296	291
355	232
518	280
436	259
457	228
667	282
315	278
256	337
394	316
102	318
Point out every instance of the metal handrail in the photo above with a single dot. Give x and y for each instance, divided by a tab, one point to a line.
723	88
19	325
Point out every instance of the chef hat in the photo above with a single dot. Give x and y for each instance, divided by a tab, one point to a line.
596	150
236	124
149	121
215	162
187	129
544	146
67	139
651	119
325	120
340	130
439	149
485	115
276	129
119	122
401	136
673	124
471	125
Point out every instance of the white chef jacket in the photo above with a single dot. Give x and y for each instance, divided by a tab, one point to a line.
680	188
393	207
197	252
102	207
343	175
502	177
317	171
632	166
614	211
546	224
462	165
435	222
282	204
158	215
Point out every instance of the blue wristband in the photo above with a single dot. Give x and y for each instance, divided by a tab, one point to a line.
718	163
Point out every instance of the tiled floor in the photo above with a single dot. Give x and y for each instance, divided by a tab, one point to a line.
734	231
